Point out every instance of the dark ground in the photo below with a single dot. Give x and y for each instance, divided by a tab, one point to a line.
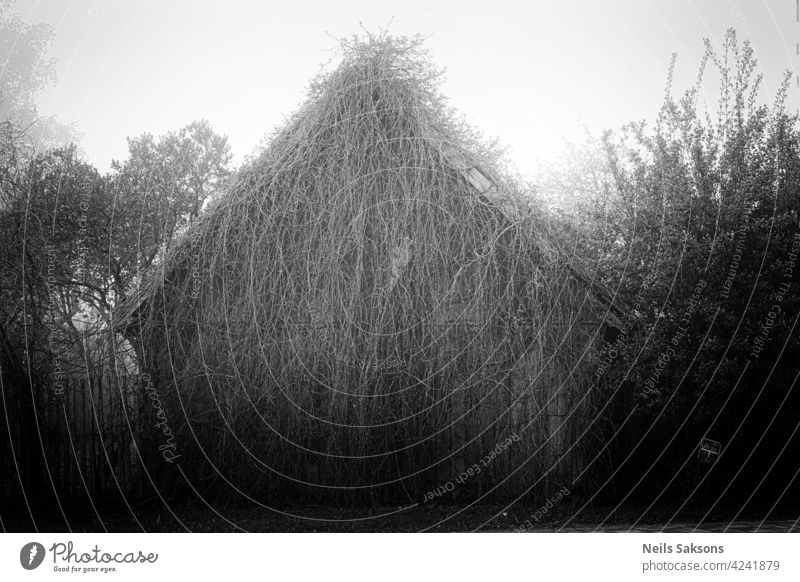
485	518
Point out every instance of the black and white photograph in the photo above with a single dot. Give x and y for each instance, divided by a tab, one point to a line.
521	268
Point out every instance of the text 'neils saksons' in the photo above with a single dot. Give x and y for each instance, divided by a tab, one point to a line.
664	548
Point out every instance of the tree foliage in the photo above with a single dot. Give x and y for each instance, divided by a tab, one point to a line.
72	243
694	221
25	71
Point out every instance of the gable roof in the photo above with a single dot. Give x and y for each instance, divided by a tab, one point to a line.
309	123
489	191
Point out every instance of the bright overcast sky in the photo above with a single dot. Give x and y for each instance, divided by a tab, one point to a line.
524	72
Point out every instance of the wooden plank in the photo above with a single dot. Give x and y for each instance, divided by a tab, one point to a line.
481	183
455	158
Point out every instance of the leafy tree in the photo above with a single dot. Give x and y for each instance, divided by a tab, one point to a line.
25	72
160	189
72	243
697	232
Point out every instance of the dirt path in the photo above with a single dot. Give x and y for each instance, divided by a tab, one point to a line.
388	519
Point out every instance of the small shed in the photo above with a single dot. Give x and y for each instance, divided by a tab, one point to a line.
373	308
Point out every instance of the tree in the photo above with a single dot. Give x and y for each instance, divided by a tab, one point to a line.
697	232
159	190
25	70
72	243
42	292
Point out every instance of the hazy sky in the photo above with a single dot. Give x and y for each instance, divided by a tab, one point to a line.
524	72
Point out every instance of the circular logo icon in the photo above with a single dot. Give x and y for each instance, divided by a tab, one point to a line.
31	555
